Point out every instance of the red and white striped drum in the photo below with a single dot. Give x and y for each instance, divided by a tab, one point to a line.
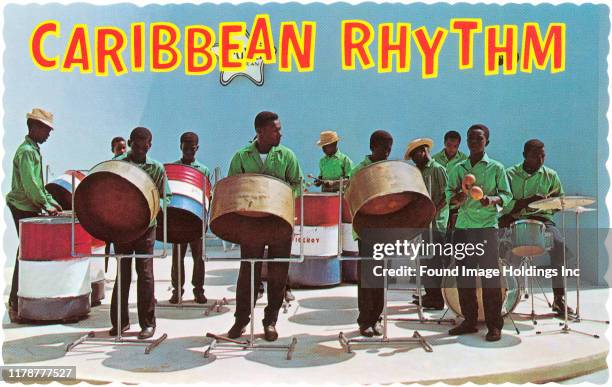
96	271
188	207
349	245
321	266
61	188
52	284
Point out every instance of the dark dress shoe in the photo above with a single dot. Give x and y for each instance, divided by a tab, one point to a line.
430	303
558	307
14	316
270	333
377	328
493	334
113	330
174	298
200	298
463	329
146	333
366	331
289	296
236	330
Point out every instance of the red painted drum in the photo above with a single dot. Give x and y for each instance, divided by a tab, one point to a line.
349	245
96	271
61	188
321	266
52	284
188	208
117	201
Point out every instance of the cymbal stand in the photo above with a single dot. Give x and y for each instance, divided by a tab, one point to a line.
249	344
151	344
529	292
565	328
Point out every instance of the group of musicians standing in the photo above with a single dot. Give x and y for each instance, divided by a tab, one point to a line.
506	196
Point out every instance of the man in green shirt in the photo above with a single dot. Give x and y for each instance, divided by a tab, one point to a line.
436	180
28	196
531	181
265	155
140	143
334	165
477	225
370	299
189	147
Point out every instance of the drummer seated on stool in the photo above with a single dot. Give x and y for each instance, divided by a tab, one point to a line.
140	142
436	179
28	196
189	147
265	156
531	181
370	297
477	225
334	165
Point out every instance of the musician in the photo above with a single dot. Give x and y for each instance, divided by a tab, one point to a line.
370	299
436	180
118	147
140	143
530	181
189	147
266	156
477	224
28	196
450	155
334	165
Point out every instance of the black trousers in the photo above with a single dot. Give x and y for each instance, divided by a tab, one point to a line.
433	284
197	279
145	283
556	257
491	287
370	292
17	216
277	279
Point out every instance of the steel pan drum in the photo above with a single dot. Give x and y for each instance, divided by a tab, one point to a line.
321	266
186	211
528	238
61	188
251	206
389	194
116	201
52	284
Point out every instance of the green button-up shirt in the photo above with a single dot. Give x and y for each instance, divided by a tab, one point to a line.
156	171
335	166
197	165
544	182
360	166
280	163
28	191
443	160
491	177
437	191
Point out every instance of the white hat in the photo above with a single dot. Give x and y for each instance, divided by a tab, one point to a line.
41	115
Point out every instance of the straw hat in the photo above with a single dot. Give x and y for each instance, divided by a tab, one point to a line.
327	137
414	144
41	115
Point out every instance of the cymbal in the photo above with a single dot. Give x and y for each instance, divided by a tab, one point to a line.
562	203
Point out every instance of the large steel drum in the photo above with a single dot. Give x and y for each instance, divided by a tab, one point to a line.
252	206
116	201
187	209
53	285
61	188
389	194
321	266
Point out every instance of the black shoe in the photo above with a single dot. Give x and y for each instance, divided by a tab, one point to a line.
146	333
236	330
366	331
430	303
270	333
289	296
462	329
174	298
113	330
200	298
493	334
377	328
558	307
96	303
14	316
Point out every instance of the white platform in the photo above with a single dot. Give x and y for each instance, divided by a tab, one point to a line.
315	319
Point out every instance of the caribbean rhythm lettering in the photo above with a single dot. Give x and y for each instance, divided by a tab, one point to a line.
386	47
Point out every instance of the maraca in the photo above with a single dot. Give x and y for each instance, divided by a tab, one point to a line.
468	181
476	193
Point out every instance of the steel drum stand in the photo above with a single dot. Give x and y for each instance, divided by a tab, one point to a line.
249	344
151	344
529	293
565	328
416	338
